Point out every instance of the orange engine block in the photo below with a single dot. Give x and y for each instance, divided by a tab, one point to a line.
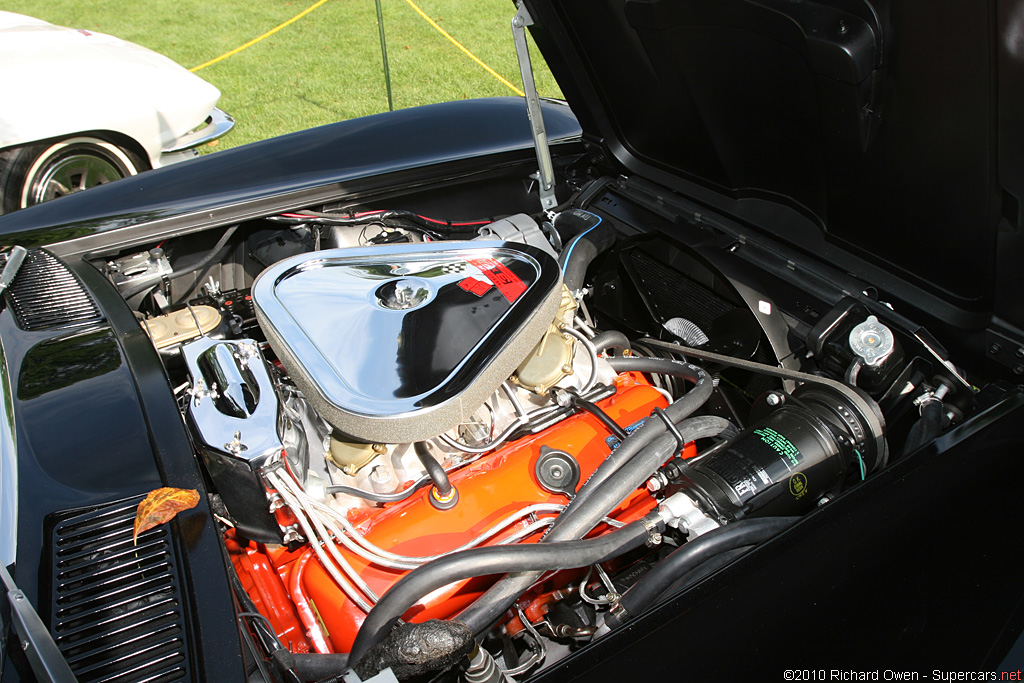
309	611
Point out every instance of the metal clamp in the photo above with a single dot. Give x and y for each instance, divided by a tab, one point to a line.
671	427
651	524
938	394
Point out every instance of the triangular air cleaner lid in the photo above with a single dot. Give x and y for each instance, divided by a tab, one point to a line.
401	343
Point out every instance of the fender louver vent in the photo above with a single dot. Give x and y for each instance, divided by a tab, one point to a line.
116	607
45	295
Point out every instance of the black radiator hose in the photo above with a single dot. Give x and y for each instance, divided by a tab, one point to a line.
592	235
929	425
492	560
487	609
610	339
706	569
680	409
687	558
316	666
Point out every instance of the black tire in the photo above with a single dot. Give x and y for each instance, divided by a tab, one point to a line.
37	173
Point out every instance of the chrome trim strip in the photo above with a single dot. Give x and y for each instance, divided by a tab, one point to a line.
218	124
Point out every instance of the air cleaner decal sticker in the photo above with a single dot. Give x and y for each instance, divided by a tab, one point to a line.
475	285
507	282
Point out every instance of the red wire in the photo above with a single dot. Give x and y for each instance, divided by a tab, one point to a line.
363	214
434	220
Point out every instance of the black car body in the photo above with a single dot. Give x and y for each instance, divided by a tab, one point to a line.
792	185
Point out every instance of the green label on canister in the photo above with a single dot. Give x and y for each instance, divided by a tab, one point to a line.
780	444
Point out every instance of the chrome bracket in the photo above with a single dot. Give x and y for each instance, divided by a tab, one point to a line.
546	173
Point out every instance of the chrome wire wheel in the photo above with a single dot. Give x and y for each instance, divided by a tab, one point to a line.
72	174
40	173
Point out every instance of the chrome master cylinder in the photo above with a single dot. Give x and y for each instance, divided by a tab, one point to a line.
234	410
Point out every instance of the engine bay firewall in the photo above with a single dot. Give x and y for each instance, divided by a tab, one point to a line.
401	343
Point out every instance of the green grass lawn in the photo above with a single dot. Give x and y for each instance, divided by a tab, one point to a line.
326	66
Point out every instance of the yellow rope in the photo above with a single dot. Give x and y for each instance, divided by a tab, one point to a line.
464	50
259	38
312	7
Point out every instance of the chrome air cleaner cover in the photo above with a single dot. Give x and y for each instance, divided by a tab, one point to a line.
403	342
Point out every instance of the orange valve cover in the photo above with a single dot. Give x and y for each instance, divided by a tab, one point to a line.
490	490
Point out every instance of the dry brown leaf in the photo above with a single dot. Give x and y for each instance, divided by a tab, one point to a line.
161	505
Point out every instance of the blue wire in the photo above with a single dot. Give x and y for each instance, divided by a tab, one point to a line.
863	472
578	237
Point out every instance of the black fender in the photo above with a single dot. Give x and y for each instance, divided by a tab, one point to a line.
286	172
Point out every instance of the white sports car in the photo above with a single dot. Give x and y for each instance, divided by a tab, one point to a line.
81	109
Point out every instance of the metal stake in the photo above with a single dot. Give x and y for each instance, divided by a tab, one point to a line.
384	55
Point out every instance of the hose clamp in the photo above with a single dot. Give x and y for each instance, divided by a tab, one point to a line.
651	524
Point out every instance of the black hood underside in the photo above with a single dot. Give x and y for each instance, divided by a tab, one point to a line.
871	133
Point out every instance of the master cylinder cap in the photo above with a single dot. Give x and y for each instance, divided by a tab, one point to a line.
401	343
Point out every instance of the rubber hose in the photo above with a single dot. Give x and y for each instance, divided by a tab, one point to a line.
927	427
379	497
595	410
489	607
476	562
594	235
690	556
610	339
606	495
199	265
652	428
684	406
434	470
313	666
698	573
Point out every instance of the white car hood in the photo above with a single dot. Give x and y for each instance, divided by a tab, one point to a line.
59	81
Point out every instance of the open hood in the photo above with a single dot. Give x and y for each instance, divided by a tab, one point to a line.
871	133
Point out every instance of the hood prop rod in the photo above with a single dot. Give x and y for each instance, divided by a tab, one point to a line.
546	172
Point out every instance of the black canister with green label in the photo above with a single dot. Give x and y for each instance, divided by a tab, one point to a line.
807	448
